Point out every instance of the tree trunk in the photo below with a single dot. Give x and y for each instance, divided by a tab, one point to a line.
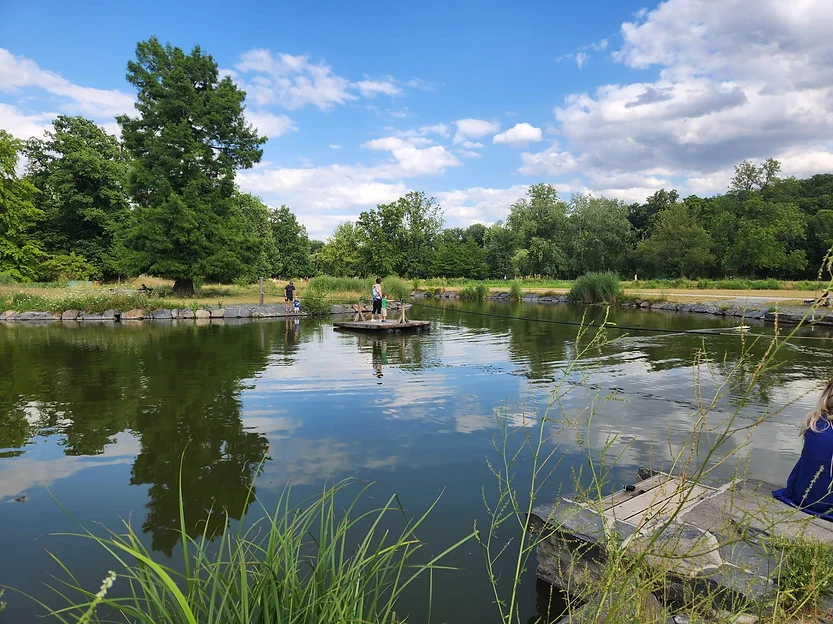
184	288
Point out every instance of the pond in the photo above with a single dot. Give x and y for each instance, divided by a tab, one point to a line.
97	417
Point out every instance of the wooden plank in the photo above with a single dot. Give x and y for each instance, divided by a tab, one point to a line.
642	487
659	501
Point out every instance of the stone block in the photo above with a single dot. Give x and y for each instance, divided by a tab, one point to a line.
107	315
70	315
202	314
713	309
8	315
218	313
161	315
34	316
185	313
133	315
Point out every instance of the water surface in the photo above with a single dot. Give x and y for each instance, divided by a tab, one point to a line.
98	417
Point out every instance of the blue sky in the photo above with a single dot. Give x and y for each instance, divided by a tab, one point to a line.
468	101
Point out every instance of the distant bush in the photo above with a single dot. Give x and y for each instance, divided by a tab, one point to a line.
804	285
515	292
596	288
327	283
473	292
314	302
396	288
739	284
69	267
7	278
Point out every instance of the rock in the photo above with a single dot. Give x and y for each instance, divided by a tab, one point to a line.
70	315
713	309
631	605
161	315
218	313
644	304
238	312
734	311
531	298
8	315
133	315
34	316
107	315
202	314
186	313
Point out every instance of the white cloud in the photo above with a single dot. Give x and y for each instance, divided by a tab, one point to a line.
752	80
24	126
335	146
291	81
519	135
470	145
474	129
581	59
411	161
400	114
372	88
469	154
422	85
18	73
270	124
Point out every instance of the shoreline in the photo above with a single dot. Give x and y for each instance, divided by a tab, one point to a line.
788	315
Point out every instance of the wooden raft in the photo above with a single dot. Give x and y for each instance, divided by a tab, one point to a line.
360	323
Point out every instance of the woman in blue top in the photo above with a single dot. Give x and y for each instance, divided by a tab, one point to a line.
810	484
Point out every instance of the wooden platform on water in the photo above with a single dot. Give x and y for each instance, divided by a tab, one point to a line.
716	545
383	326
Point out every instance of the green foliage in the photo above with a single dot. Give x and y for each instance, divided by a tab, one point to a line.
291	252
475	292
94	302
596	288
459	255
805	572
68	267
21	250
499	248
315	302
516	293
307	562
7	278
600	235
340	255
81	173
398	238
739	284
678	245
539	223
396	288
189	138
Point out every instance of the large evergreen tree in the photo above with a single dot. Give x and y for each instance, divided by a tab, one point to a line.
187	141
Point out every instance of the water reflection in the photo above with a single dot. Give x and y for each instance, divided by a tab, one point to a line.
104	413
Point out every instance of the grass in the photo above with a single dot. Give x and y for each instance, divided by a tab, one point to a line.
596	288
516	293
303	563
805	574
474	292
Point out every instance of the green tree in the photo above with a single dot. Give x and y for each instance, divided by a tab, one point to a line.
820	238
258	242
82	176
643	216
340	255
398	238
459	255
291	256
499	245
20	249
678	246
539	222
767	238
601	237
749	177
187	141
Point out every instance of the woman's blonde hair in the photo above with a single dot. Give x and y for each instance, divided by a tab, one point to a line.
823	411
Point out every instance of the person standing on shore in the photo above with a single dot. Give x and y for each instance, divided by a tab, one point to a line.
289	298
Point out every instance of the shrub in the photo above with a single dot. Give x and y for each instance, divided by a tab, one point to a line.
515	292
596	288
7	278
396	288
314	302
805	573
69	267
473	292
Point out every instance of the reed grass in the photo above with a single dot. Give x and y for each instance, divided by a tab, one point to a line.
302	563
596	288
474	292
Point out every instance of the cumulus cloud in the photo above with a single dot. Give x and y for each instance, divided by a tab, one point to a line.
468	129
292	82
752	80
24	126
519	135
270	124
18	73
411	161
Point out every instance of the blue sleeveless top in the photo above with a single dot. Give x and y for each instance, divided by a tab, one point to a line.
810	484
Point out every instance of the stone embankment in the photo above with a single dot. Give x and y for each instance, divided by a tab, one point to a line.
786	315
181	314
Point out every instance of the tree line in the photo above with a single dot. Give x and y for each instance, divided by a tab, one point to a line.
162	201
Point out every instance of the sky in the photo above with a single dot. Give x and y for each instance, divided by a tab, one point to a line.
468	101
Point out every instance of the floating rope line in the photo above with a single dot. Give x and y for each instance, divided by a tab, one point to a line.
715	331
